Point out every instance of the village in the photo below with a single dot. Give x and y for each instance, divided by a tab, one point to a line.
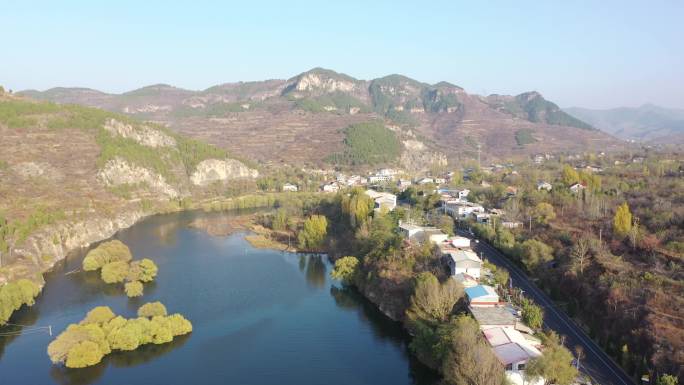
500	320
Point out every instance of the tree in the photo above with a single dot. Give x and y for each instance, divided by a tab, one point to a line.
554	366
279	221
134	289
86	353
114	272
622	222
543	213
569	175
312	235
532	315
535	253
446	224
667	379
147	269
152	309
98	315
105	253
432	301
346	270
469	361
579	253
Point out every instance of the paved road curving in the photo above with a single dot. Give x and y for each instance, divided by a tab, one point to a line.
596	363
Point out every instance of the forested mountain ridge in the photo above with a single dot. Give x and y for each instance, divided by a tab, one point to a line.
302	120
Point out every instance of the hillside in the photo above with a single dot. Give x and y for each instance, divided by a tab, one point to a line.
72	175
302	120
647	123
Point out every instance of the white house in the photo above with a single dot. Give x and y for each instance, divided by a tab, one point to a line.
513	350
461	209
482	295
577	187
425	180
464	262
331	187
460	242
440	180
465	280
383	200
378	178
290	187
421	234
403	184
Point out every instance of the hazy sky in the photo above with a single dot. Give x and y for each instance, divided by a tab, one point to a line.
577	53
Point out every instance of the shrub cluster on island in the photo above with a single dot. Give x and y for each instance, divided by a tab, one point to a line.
114	260
101	332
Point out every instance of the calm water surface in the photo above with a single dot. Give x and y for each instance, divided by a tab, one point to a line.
259	317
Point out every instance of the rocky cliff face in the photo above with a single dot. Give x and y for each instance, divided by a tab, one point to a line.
215	170
143	134
120	172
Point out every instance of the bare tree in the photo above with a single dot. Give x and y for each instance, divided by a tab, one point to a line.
580	252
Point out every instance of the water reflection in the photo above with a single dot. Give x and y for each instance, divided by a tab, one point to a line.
25	317
315	271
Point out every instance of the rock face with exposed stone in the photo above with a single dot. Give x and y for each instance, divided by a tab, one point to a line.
215	170
118	172
145	135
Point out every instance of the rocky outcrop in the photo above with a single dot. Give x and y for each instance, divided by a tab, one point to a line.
312	82
215	170
145	135
119	172
29	170
52	243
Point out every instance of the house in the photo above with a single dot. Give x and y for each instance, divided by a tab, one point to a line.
494	317
356	180
460	242
465	280
421	234
511	191
464	262
481	217
383	200
462	209
409	230
482	295
377	178
331	187
463	194
403	184
577	187
290	187
541	185
511	224
513	350
440	180
424	181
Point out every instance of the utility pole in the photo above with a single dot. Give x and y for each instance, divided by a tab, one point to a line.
479	147
530	222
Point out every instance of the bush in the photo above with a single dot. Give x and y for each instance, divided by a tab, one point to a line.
105	253
152	309
432	301
134	289
114	272
84	344
346	270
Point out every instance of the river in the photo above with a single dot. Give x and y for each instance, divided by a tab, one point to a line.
259	317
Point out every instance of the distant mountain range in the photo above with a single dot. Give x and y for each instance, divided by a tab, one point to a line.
647	123
301	120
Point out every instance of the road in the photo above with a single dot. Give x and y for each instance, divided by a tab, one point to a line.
596	363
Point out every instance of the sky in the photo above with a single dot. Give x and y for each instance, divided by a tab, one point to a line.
594	54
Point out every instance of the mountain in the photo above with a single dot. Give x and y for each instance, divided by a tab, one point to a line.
647	123
72	175
303	120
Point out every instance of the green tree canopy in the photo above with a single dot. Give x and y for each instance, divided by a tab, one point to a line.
114	272
105	253
622	222
569	175
134	289
152	309
532	315
535	253
346	270
313	234
432	301
554	365
543	213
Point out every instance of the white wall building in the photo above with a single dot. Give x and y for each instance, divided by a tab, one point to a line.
464	262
